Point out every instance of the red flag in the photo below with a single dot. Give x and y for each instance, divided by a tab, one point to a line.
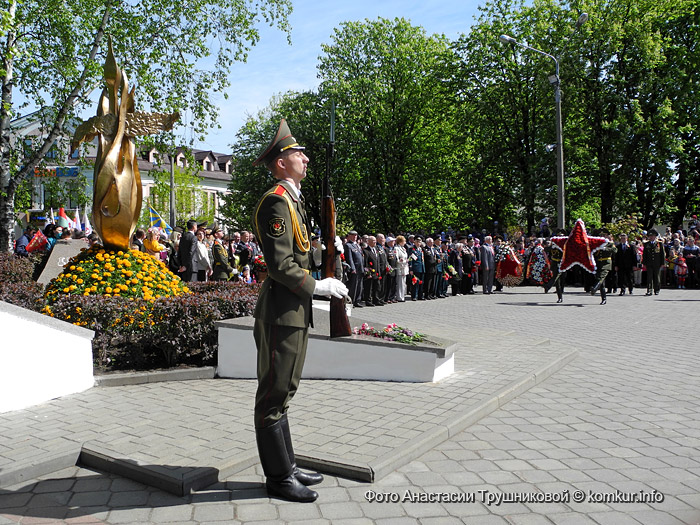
62	219
38	242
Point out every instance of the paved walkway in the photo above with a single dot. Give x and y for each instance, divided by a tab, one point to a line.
618	422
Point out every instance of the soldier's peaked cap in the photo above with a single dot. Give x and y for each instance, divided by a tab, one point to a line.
281	142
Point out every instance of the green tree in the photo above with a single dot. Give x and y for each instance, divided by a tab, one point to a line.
308	116
188	198
620	75
508	103
680	78
51	51
395	125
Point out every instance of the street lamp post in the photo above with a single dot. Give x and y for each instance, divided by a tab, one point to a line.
173	216
555	81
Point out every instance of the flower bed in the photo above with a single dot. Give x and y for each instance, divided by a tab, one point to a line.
169	325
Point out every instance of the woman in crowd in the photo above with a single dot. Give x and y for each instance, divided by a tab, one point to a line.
152	245
52	234
201	262
401	268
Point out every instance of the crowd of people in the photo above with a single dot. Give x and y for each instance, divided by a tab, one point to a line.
201	253
380	269
30	242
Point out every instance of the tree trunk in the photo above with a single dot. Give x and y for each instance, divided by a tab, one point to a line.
7	194
9	182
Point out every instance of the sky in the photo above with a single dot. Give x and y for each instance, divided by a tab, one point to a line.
275	67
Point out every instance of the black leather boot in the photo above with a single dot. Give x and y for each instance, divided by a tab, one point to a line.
303	477
280	480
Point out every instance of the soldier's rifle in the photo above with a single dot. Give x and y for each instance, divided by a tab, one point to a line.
340	324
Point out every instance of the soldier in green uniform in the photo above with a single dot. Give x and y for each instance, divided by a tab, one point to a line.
604	264
283	313
222	270
558	277
654	258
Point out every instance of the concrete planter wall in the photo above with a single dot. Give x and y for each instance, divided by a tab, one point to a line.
354	357
41	358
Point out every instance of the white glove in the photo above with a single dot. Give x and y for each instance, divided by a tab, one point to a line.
330	286
338	244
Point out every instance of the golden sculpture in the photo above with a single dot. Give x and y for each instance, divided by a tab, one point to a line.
117	192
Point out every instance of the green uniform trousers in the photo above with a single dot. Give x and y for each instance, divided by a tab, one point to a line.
653	279
600	276
281	355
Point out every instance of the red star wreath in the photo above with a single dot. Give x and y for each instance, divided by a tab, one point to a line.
578	248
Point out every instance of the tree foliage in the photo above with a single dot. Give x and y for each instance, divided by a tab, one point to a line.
396	124
435	134
177	53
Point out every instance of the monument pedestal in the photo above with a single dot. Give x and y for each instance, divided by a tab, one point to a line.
49	358
61	253
352	357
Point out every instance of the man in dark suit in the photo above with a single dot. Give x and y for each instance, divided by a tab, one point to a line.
372	273
356	268
390	278
383	263
430	257
625	262
283	314
654	258
188	245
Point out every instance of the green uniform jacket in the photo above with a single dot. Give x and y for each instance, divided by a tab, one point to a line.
654	255
222	269
285	296
604	256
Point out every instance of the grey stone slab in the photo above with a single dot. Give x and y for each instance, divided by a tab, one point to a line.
591	416
61	252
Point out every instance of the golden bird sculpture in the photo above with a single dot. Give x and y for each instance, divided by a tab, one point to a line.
117	191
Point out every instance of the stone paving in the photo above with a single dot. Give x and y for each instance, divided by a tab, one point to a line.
621	417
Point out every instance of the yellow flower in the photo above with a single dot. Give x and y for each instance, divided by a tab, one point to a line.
80	281
72	268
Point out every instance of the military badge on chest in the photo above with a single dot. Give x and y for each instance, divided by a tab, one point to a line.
277	227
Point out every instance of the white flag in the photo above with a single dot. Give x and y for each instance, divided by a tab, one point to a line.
86	223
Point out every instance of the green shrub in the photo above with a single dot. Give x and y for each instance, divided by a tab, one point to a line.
136	334
15	269
29	295
16	284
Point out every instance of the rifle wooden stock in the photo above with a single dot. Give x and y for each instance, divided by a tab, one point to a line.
340	324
